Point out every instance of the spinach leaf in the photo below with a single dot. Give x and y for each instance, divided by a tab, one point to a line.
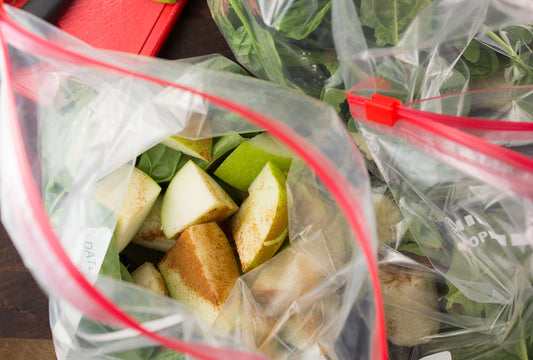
125	274
334	97
56	191
268	51
394	73
136	354
515	44
523	70
111	263
389	18
302	17
423	237
243	47
517	36
472	52
224	144
221	63
481	61
457	301
159	162
255	43
200	162
168	355
112	266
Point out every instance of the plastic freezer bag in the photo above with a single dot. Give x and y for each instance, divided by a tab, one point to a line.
296	43
444	48
448	47
464	239
287	42
449	133
75	119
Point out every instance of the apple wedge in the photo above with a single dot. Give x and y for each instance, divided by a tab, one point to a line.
411	299
243	165
149	278
200	148
388	219
200	270
151	234
261	223
301	331
288	277
193	197
141	195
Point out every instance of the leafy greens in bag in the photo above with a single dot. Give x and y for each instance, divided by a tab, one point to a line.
291	43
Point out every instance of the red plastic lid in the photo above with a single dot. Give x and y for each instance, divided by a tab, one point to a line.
15	3
132	26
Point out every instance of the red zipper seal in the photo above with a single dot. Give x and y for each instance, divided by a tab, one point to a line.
390	112
382	109
386	110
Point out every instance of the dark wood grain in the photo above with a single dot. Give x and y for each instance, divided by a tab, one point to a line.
195	34
26	349
23	307
24	323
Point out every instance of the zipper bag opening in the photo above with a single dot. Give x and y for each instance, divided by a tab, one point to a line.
386	113
97	305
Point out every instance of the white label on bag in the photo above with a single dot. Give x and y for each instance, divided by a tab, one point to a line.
458	226
95	244
445	355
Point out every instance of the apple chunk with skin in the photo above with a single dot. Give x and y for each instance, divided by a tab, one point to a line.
200	148
148	277
243	165
151	234
200	270
261	223
193	197
141	195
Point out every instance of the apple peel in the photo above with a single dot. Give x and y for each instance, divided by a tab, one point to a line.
261	223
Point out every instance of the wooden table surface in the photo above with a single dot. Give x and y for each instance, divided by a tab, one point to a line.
24	326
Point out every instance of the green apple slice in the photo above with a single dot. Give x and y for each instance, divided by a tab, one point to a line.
149	278
200	270
267	142
200	148
193	197
243	165
225	143
151	233
260	225
141	195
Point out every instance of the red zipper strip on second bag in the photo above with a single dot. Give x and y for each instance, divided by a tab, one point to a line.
470	123
324	169
388	111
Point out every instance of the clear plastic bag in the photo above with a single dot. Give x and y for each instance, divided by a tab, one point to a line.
457	162
70	115
466	207
448	47
296	43
287	42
